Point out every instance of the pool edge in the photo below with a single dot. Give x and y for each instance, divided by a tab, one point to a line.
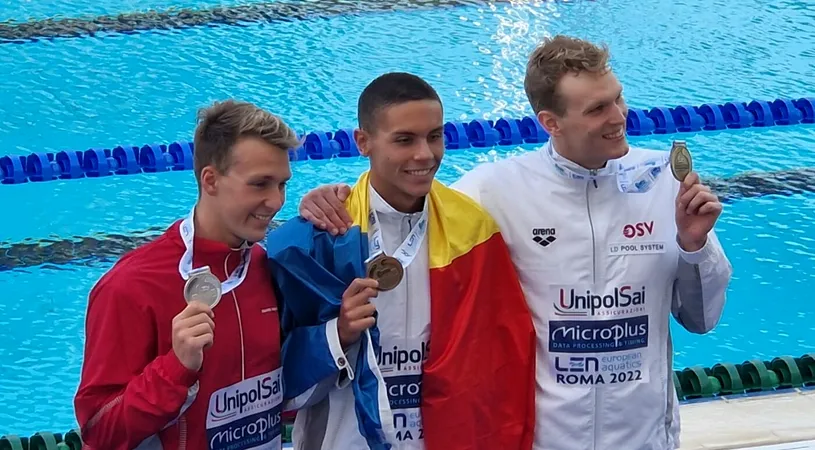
749	422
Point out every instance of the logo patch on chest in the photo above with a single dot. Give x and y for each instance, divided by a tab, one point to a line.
640	229
637	239
639	248
543	236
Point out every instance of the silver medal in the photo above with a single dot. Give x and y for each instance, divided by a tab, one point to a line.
203	286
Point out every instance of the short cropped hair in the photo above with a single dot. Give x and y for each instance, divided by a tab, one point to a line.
223	124
554	58
388	90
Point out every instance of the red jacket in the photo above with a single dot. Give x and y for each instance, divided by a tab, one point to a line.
133	389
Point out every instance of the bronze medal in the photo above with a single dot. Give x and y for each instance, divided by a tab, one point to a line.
681	161
387	271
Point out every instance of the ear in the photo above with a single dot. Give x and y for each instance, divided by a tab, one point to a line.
363	139
209	180
549	122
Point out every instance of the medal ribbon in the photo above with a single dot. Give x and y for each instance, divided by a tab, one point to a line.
409	247
187	230
636	179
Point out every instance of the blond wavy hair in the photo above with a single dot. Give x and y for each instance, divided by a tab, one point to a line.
223	124
554	58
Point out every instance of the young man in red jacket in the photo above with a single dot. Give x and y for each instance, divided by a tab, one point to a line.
182	340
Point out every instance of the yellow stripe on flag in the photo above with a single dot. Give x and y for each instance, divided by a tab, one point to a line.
457	224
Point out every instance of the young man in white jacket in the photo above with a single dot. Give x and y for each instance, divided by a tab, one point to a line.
608	245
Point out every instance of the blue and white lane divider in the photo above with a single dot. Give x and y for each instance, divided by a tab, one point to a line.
150	158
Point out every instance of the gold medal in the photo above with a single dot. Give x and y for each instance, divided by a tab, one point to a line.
681	161
386	270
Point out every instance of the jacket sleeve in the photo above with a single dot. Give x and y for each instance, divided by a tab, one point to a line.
314	364
700	286
126	394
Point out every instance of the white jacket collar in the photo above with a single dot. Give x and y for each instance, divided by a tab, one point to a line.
382	207
568	168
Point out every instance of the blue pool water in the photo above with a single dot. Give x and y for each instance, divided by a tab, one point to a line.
136	89
25	10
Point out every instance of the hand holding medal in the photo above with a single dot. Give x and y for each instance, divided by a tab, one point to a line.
383	273
356	311
193	328
193	332
697	208
681	161
386	270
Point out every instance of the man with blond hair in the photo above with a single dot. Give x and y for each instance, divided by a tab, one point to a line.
158	373
608	243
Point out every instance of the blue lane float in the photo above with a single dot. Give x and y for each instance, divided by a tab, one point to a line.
479	133
687	119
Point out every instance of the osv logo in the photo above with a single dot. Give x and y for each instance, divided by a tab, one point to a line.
639	229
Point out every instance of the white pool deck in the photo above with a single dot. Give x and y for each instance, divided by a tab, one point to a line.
776	421
768	421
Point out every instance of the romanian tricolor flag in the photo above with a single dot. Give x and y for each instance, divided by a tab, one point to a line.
478	383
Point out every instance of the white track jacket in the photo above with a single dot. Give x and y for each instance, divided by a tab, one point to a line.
603	273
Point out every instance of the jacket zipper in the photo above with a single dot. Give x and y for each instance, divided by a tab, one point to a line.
182	433
594	282
591	225
240	322
408	311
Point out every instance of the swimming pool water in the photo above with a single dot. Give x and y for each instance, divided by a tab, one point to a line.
85	92
25	10
137	89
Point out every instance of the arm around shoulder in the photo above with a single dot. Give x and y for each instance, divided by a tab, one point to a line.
120	405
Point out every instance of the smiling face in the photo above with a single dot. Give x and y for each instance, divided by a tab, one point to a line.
591	129
406	147
578	99
241	162
250	192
